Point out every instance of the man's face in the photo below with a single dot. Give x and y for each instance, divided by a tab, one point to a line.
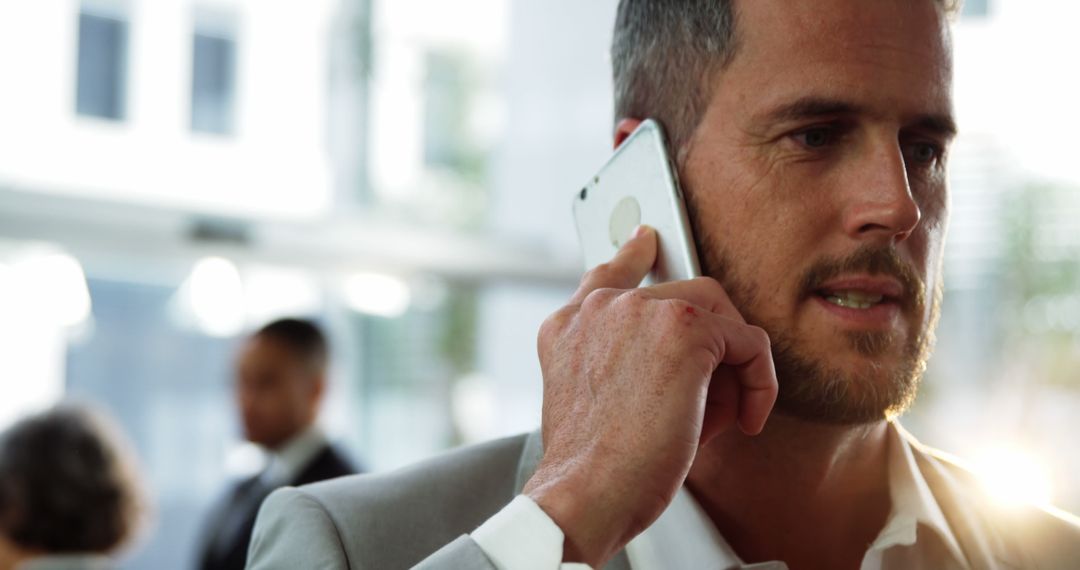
277	392
817	186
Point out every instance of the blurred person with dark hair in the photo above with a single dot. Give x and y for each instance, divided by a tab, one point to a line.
280	382
69	496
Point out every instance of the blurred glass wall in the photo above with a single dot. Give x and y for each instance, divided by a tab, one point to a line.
174	173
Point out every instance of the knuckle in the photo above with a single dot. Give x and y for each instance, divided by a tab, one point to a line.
554	325
597	299
549	328
632	300
601	273
679	308
674	318
760	336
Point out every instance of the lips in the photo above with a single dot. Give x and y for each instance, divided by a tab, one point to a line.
861	293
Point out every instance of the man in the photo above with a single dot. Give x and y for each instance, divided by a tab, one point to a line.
280	381
70	496
811	138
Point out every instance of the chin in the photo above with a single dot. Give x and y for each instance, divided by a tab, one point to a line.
849	384
871	369
254	437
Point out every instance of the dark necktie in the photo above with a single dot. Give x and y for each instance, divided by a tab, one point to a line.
244	503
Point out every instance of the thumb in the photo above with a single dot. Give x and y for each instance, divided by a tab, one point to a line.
626	270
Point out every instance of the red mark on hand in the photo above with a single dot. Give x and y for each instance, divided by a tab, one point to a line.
690	311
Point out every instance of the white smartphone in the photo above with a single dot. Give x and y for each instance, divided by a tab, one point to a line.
638	185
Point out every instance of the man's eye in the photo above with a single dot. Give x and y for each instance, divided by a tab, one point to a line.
922	153
815	138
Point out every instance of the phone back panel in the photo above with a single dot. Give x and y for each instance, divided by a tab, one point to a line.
637	186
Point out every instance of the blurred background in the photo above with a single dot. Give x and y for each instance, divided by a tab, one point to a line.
174	173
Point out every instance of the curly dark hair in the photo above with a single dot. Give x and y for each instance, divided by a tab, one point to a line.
66	484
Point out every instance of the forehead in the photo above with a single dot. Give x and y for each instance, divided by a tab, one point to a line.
264	352
889	55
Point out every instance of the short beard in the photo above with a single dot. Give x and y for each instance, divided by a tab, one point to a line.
810	390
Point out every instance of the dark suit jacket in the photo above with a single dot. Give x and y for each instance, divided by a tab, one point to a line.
327	464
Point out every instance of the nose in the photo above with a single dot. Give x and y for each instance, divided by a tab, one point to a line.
881	207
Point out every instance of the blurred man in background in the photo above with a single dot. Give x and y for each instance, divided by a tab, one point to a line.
68	492
280	382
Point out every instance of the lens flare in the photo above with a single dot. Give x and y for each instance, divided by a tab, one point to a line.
1014	476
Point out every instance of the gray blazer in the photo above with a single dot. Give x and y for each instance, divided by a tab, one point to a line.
421	516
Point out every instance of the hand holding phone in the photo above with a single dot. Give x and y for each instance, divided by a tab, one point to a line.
638	379
638	185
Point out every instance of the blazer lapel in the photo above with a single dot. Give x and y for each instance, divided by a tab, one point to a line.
982	542
531	454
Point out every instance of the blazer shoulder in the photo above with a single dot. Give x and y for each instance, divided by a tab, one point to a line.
470	468
295	531
1035	536
396	519
965	477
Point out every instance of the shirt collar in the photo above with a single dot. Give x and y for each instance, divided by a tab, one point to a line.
685	537
913	504
287	461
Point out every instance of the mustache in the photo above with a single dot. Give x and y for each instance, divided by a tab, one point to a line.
873	260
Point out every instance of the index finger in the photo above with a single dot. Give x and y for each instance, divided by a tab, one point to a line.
704	292
748	351
626	270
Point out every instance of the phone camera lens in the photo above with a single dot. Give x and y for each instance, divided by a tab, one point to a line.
584	192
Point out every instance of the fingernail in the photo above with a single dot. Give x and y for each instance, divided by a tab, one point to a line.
639	231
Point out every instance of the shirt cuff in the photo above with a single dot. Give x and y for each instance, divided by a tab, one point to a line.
523	537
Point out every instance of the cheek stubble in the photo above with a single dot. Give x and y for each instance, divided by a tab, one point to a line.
810	388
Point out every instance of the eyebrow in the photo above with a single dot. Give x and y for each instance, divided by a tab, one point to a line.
816	107
941	125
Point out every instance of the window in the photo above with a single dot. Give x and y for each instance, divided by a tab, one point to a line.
446	108
213	81
975	9
102	66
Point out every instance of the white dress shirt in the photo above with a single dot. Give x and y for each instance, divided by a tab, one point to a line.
916	535
286	462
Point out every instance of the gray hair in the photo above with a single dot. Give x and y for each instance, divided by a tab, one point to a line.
66	483
665	54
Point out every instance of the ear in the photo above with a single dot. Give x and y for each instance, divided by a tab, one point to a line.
623	129
318	387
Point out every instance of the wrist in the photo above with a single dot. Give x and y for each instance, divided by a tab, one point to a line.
592	519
